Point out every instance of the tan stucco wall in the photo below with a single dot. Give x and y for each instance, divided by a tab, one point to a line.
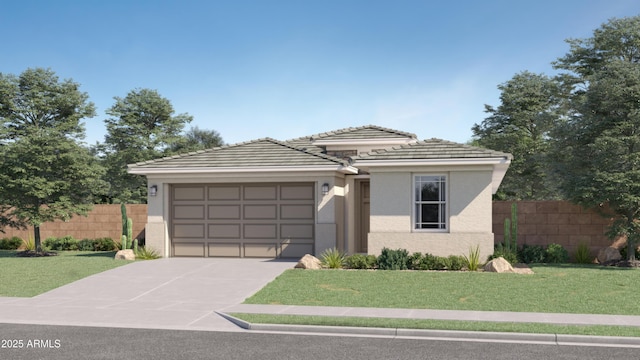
469	207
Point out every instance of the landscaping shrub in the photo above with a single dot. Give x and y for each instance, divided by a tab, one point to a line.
145	253
556	254
508	254
360	261
66	243
456	263
583	255
623	252
333	258
415	261
472	262
86	245
393	259
532	254
104	244
12	243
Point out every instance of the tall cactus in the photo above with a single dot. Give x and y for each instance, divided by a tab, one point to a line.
511	229
125	239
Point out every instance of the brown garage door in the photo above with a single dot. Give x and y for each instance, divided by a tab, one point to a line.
243	220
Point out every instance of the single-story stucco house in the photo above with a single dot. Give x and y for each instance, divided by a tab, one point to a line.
357	189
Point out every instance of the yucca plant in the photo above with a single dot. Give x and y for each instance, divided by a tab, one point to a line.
333	258
472	262
29	244
583	255
146	253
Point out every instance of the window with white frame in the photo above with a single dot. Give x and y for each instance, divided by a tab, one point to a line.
430	202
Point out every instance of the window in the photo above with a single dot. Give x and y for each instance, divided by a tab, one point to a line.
430	202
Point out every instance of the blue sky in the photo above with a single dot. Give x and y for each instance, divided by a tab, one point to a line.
284	69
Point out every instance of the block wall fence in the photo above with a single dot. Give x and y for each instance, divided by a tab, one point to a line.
547	222
102	221
539	223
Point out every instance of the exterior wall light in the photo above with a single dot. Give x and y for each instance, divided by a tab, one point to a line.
153	190
325	189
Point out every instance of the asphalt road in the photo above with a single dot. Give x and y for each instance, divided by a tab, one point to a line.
69	342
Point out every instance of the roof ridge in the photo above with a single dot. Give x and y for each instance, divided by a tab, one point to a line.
370	126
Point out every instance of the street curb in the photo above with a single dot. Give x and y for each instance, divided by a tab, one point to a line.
443	335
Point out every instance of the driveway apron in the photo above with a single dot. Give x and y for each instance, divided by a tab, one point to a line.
174	293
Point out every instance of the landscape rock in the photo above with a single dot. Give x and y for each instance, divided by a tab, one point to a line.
309	262
609	255
125	255
498	265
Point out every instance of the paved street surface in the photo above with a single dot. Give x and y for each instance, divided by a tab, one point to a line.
69	343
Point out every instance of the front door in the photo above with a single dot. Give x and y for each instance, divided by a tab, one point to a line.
362	215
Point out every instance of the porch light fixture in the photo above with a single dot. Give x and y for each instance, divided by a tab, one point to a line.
153	190
325	189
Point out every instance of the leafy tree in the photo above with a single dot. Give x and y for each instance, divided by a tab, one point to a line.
520	125
598	147
142	126
44	172
197	139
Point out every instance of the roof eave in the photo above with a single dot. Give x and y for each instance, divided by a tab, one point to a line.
136	170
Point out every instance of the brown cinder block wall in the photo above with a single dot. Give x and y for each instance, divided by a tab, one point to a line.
547	222
102	221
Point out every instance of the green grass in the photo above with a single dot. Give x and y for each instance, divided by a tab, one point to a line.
594	330
27	277
581	289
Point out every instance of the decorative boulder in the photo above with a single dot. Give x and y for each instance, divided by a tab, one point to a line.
309	262
499	265
127	254
609	255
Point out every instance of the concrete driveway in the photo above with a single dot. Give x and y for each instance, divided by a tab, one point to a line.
175	293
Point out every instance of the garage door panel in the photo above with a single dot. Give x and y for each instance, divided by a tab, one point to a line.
296	192
224	231
189	193
260	231
188	249
261	250
188	230
260	192
225	249
301	231
188	212
224	212
224	192
260	212
297	212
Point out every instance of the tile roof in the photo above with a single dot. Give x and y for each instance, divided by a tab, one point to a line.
432	149
354	133
256	153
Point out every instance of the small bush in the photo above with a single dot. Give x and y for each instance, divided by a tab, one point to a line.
456	263
104	244
623	253
583	255
333	258
393	259
556	254
86	245
67	243
12	243
472	262
532	254
146	253
360	261
508	254
415	261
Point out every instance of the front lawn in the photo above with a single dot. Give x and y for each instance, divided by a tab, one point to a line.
27	277
553	289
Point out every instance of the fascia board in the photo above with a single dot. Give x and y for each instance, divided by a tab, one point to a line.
426	162
228	170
